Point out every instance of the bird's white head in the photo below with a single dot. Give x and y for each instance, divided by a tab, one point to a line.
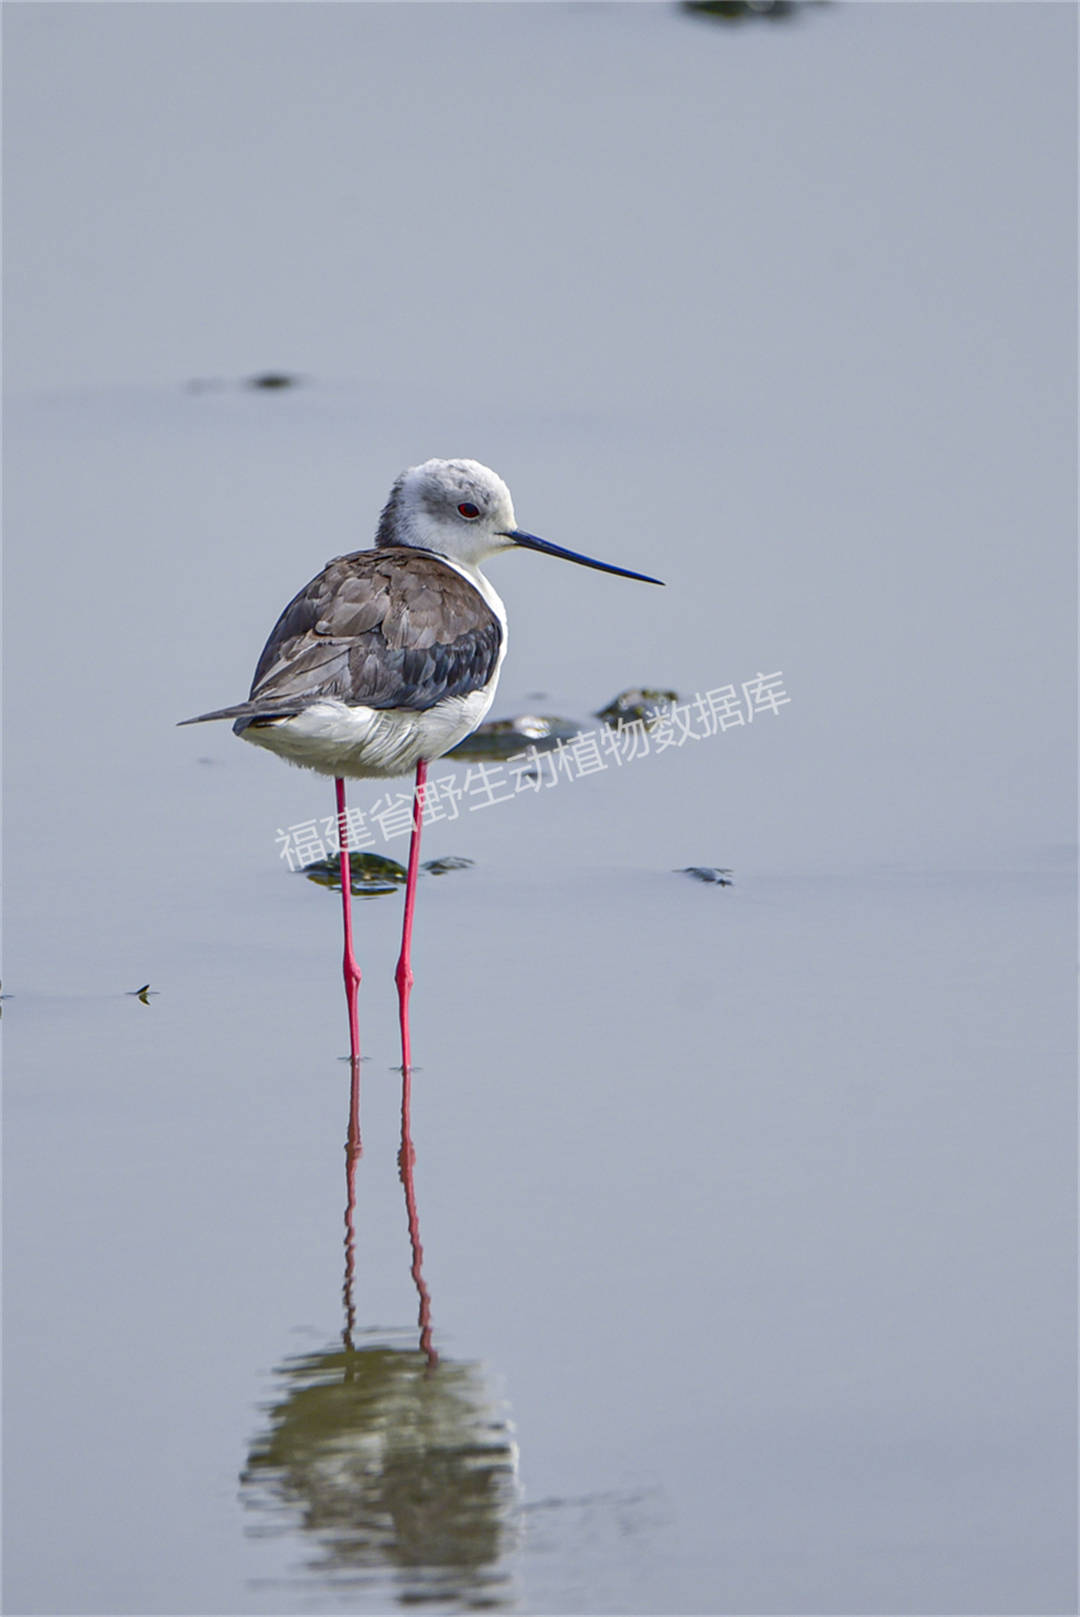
457	508
462	510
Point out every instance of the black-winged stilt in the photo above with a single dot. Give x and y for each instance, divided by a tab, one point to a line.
391	656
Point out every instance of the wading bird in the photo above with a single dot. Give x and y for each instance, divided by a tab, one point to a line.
391	656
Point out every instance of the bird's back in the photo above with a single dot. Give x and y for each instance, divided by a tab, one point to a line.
395	627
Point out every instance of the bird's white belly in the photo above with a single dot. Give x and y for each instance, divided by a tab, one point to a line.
365	742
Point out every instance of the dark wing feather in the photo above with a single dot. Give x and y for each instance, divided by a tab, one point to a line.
393	627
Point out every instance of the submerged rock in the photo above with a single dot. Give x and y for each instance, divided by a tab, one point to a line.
373	873
369	873
501	738
636	703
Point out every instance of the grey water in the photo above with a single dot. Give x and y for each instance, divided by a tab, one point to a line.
741	1268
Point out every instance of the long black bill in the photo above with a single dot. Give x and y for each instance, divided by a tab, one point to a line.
529	541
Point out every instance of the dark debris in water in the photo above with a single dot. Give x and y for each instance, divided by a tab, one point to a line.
501	738
273	381
738	10
639	702
708	873
373	873
261	382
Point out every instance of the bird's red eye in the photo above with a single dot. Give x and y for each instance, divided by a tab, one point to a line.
469	510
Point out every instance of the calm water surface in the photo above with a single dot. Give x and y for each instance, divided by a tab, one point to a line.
734	1270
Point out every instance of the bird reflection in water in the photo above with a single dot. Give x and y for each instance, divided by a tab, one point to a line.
401	1462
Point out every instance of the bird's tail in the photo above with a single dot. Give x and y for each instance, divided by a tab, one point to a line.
252	712
242	710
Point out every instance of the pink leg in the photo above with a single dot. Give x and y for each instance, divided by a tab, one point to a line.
352	970
403	975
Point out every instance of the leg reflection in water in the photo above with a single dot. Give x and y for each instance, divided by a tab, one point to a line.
406	1164
398	1468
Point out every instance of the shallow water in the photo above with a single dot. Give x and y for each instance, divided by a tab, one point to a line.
746	1213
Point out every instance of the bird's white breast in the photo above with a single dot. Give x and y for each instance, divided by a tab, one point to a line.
364	742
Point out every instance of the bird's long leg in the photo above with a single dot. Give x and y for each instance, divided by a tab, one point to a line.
352	970
403	975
